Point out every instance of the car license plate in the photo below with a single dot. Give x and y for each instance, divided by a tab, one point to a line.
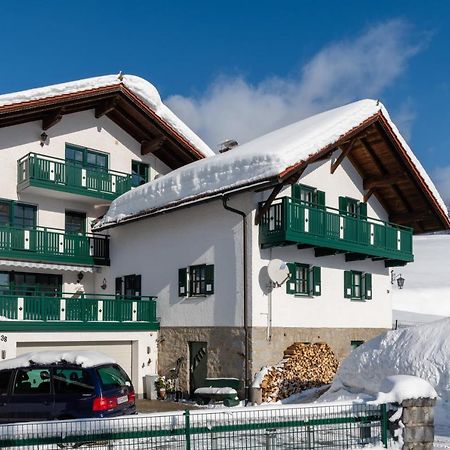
122	399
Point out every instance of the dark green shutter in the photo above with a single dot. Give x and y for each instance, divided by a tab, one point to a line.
209	278
348	284
182	282
310	281
320	199
363	210
343	204
137	286
317	281
290	283
368	286
295	191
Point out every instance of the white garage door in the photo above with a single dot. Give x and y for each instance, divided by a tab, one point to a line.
120	351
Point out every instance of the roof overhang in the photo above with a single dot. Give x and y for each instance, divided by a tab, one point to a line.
119	104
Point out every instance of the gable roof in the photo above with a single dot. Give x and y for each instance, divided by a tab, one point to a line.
380	151
132	102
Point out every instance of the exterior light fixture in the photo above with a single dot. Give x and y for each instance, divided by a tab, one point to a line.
43	138
400	280
104	285
80	276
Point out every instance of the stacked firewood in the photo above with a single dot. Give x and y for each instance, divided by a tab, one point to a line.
304	366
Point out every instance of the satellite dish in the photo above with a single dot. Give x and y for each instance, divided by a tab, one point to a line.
278	271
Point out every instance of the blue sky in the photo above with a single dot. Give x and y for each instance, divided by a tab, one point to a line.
237	69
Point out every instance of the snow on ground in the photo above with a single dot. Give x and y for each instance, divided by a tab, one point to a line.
82	358
140	87
258	160
426	292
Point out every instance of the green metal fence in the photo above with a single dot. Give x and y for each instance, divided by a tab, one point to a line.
23	310
51	244
292	221
289	428
57	174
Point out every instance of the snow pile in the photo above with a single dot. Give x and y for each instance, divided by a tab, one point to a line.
81	358
144	90
422	351
396	388
427	281
258	160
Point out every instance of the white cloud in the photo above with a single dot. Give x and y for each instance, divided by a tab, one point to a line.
341	72
441	178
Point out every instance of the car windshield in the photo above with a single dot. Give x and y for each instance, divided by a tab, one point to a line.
113	377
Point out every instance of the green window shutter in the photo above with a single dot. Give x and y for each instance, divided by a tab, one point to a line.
348	284
320	199
363	210
290	283
182	283
368	286
343	204
209	279
316	280
295	191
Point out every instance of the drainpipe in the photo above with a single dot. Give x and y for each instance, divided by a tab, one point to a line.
244	255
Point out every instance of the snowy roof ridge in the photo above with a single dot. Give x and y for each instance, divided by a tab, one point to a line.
143	89
259	160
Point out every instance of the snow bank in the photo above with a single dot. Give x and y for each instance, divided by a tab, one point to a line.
215	391
256	161
422	351
82	358
396	388
140	87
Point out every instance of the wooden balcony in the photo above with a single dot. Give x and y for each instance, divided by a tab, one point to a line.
331	231
22	311
53	245
35	171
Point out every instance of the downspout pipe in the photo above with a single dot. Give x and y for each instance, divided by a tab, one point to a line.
225	199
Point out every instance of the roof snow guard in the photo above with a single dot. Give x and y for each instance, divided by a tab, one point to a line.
131	102
362	130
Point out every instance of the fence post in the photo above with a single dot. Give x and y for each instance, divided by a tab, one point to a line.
384	425
187	429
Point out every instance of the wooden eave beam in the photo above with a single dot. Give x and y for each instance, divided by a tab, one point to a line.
343	154
413	216
105	108
368	194
52	119
355	257
374	156
323	251
151	146
265	207
385	180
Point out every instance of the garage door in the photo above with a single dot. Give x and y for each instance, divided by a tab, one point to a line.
120	351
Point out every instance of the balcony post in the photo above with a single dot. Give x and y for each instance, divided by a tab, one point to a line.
20	307
62	309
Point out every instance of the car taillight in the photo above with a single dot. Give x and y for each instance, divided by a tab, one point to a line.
104	403
132	397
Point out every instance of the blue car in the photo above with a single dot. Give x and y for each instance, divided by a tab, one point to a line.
64	391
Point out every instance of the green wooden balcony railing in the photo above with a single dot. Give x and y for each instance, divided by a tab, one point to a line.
50	244
54	173
293	222
75	311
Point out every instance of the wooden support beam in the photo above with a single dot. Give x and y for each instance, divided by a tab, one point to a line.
304	246
394	263
355	257
52	119
383	181
321	251
105	108
368	194
412	216
341	157
265	207
152	145
404	200
379	165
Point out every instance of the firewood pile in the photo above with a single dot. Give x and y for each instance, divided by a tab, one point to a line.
304	366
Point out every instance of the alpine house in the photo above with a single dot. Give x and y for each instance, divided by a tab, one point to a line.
337	197
66	152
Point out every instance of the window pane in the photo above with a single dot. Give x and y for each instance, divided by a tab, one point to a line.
139	173
197	280
302	280
72	381
5	213
24	216
357	284
75	222
74	155
113	377
5	376
32	382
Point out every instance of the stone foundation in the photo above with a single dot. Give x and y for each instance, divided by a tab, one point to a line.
226	347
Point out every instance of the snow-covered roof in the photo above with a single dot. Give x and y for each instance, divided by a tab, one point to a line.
261	159
81	358
144	90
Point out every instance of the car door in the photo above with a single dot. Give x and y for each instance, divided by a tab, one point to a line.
5	405
32	395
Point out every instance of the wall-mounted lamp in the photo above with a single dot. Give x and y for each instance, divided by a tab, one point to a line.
80	276
104	285
399	278
43	138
